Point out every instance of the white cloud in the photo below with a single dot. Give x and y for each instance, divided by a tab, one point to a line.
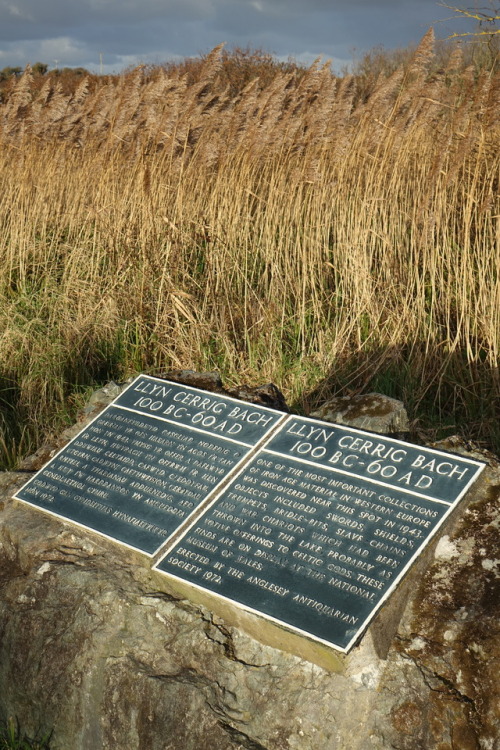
18	12
63	49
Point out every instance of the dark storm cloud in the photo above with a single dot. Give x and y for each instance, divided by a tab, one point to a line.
32	19
78	32
369	22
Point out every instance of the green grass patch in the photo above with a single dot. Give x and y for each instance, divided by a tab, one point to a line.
13	738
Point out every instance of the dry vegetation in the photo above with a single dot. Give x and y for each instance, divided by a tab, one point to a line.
331	235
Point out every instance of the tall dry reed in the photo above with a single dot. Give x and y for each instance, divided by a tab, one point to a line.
294	231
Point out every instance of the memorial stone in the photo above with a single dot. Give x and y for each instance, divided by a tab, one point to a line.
309	525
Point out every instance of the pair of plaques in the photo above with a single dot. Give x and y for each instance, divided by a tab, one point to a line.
308	524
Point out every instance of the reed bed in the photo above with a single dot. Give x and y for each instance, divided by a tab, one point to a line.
303	229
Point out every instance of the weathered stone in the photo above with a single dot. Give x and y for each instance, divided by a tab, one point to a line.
103	396
266	395
96	646
92	647
372	411
208	381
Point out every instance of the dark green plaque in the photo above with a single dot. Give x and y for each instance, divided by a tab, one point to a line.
320	525
148	461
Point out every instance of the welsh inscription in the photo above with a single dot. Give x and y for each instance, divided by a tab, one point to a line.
146	463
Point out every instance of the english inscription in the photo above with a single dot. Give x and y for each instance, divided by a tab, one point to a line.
319	526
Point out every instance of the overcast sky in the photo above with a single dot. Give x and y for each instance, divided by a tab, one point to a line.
121	33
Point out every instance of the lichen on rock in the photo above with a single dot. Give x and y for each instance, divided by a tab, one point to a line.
372	411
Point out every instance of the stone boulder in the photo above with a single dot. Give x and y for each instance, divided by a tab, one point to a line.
94	645
371	411
265	395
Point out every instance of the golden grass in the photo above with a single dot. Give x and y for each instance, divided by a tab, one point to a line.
294	232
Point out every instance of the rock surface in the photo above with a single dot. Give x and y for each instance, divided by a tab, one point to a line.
265	395
93	646
371	411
